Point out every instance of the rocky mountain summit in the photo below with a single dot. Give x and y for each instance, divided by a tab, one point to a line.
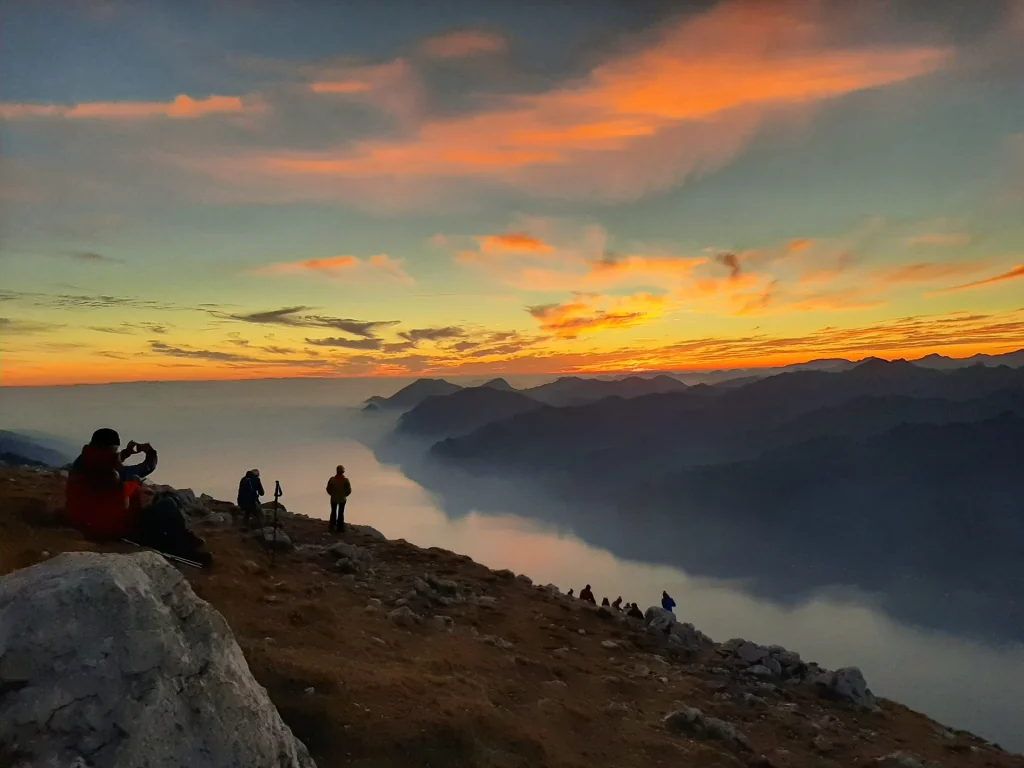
375	652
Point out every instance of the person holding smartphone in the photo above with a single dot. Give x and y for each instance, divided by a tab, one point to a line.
103	499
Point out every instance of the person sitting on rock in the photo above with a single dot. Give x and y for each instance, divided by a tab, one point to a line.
103	499
634	612
572	593
617	603
250	488
667	602
605	603
339	488
588	595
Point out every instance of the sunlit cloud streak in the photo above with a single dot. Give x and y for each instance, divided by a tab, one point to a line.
342	268
1012	274
181	107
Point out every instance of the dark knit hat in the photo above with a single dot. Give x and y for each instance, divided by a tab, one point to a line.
105	438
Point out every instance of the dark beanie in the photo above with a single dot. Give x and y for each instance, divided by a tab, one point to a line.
105	438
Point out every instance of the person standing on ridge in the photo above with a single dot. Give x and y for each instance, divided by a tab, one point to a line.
339	488
250	488
668	603
588	595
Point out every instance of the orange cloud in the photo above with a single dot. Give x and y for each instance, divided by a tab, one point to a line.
515	242
588	313
799	244
687	102
181	108
925	272
392	87
463	43
939	240
1013	274
341	267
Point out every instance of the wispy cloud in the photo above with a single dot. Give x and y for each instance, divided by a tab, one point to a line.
512	242
1013	274
926	272
940	240
464	43
342	268
9	325
589	313
300	317
366	343
181	108
689	101
417	335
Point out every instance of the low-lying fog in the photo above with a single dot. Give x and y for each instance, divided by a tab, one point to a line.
209	434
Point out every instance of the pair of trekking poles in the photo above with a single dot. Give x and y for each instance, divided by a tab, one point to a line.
278	493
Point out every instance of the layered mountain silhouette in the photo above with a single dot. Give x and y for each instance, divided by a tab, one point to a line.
464	411
898	478
573	390
412	395
653	433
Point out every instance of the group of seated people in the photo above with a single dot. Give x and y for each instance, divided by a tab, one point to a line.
631	609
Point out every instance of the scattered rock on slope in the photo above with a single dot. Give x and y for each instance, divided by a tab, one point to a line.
112	660
690	721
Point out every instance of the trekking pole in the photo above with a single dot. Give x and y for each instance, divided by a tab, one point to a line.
277	495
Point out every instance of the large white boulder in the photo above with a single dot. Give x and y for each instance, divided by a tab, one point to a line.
112	660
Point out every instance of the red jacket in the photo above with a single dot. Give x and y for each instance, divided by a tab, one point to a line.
97	502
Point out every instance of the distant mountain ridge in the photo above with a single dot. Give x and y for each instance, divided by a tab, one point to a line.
17	449
681	427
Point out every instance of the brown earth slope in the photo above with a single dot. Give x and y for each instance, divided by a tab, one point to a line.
522	677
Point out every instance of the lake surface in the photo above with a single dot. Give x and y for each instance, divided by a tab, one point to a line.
208	434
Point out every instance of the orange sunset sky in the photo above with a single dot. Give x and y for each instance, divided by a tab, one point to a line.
252	189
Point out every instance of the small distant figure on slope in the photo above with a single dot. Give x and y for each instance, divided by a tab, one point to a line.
634	612
250	488
605	603
572	593
103	499
617	603
588	595
339	488
668	603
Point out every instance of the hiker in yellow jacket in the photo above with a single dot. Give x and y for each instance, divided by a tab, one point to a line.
339	489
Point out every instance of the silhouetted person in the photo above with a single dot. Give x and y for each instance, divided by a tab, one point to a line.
339	488
586	594
617	603
250	488
667	602
635	612
103	499
572	593
605	603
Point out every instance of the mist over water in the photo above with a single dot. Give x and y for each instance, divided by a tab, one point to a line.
208	434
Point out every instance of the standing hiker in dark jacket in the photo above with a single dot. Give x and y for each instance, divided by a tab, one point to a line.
250	488
667	602
339	488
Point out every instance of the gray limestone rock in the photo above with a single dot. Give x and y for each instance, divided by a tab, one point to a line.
112	660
